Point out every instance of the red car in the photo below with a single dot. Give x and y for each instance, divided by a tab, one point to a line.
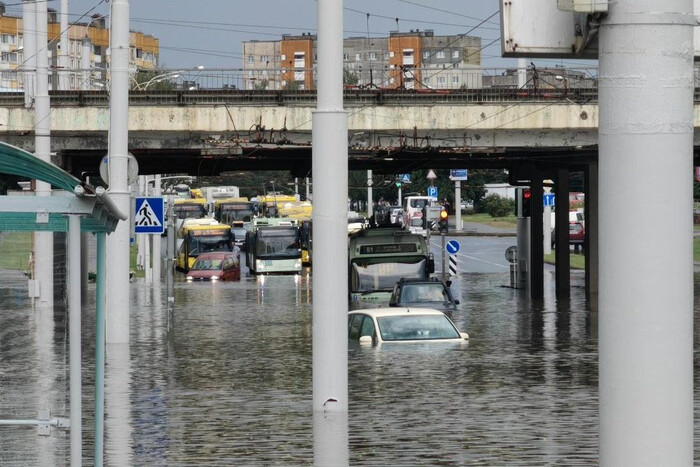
577	235
216	266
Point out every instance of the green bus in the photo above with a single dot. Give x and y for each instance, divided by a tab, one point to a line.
380	257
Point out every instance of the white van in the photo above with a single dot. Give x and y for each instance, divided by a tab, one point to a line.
412	212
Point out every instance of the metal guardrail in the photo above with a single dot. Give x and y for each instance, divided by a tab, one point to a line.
352	97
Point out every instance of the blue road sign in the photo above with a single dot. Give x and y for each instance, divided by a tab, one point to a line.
405	178
148	217
432	191
452	247
459	174
548	199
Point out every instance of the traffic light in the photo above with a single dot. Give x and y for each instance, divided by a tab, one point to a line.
398	183
525	201
443	221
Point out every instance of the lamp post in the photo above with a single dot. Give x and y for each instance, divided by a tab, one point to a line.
156	79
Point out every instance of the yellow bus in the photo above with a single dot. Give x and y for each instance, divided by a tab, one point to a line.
190	208
201	236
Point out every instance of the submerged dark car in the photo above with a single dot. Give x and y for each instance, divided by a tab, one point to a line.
421	293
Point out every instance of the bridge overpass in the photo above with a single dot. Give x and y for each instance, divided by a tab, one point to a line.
206	132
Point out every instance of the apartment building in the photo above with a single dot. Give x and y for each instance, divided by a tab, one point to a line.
144	50
412	60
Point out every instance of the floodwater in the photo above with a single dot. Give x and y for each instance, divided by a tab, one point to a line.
226	380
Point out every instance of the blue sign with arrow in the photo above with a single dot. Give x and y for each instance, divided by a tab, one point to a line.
452	247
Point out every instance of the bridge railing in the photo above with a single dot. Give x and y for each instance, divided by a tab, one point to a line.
243	87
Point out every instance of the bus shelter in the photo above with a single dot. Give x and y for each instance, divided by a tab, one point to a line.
78	208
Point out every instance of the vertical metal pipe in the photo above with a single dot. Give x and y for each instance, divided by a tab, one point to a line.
308	189
147	242
64	53
399	198
85	64
330	168
118	241
84	266
547	230
157	255
591	222
458	205
43	241
646	278
561	233
370	196
75	361
100	306
29	38
171	251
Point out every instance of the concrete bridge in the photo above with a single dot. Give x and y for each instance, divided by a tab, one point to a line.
390	131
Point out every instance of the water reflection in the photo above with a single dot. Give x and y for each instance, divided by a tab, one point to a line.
230	384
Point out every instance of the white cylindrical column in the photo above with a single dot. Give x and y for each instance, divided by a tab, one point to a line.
370	197
85	63
75	362
330	169
308	189
29	53
64	51
118	241
43	241
646	277
522	73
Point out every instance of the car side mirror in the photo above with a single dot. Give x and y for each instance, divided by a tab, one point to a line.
368	340
456	302
464	336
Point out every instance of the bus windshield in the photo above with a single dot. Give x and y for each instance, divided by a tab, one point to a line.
230	215
189	211
205	243
278	243
368	276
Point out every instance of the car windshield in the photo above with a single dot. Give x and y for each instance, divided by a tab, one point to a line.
207	264
416	327
417	293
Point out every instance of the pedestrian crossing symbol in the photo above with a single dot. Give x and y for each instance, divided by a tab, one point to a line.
148	217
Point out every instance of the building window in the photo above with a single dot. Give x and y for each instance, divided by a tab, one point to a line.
386	55
265	58
440	54
373	55
441	80
391	54
346	57
358	57
455	79
455	54
6	39
283	57
426	54
251	59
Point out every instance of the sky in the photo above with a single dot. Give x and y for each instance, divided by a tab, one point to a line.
210	33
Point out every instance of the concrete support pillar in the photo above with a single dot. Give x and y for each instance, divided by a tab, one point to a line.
100	304
118	241
646	234
84	266
561	222
43	241
370	196
536	238
29	54
330	169
590	217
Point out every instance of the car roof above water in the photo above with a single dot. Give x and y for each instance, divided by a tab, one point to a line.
397	311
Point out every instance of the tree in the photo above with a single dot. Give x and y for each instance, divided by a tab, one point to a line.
349	77
261	85
164	83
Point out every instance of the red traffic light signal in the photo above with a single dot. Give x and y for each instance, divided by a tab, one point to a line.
527	194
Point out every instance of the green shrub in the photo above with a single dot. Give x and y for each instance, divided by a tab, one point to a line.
497	206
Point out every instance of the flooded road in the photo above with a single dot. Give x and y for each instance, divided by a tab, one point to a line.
226	379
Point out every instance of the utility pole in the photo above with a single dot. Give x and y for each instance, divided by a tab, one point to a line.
118	241
330	218
64	50
646	280
29	35
43	241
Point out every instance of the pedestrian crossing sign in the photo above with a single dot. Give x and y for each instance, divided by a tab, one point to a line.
148	217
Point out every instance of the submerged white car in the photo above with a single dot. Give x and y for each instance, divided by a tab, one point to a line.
382	325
